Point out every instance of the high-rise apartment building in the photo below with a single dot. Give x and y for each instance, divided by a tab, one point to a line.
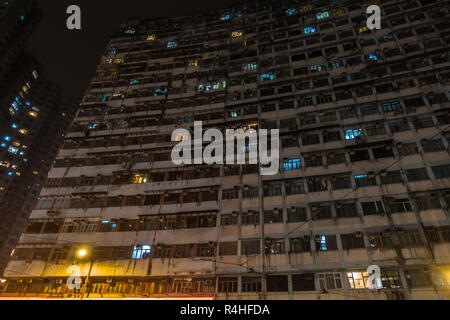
32	121
364	174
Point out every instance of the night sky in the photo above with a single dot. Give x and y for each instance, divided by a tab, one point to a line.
70	56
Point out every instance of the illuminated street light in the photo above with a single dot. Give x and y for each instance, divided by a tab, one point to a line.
81	253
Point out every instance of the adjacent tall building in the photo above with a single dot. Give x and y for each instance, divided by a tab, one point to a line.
33	119
364	174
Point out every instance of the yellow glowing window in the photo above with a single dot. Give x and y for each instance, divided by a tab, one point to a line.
338	12
151	37
23	131
25	89
35	172
4	164
236	34
358	280
305	8
140	178
118	60
182	137
16	144
33	114
363	29
193	63
17	173
2	188
369	3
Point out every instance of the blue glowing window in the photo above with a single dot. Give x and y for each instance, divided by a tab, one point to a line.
15	106
13	150
391	106
92	126
322	15
238	15
112	51
373	57
10	173
28	103
172	44
141	252
105	221
3	145
160	92
225	17
6	138
309	30
130	31
14	126
266	76
323	243
352	134
21	153
292	164
361	176
25	159
291	12
133	82
336	64
106	96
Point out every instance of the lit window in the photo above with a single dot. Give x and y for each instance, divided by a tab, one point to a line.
363	29
33	114
359	280
35	74
226	16
323	244
160	92
130	31
182	136
322	15
172	44
292	164
119	60
16	144
238	15
112	51
6	138
10	173
14	126
373	57
193	63
391	106
5	164
13	150
291	12
266	76
140	178
23	131
151	37
361	176
309	30
141	252
250	66
236	34
35	172
3	145
352	134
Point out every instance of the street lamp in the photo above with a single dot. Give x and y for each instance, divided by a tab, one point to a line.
83	253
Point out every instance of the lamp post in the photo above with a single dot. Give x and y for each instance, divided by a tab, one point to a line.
82	253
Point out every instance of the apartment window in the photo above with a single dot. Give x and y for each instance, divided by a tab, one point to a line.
250	247
428	202
325	242
410	238
399	205
292	164
390	279
204	250
340	182
299	245
251	284
250	217
416	174
407	149
391	177
228	219
277	283
352	241
365	180
250	192
296	214
228	248
417	278
272	189
230	194
351	134
330	281
441	172
336	158
274	246
120	253
433	146
163	251
372	207
141	252
346	210
358	280
183	251
273	216
303	282
311	139
228	284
